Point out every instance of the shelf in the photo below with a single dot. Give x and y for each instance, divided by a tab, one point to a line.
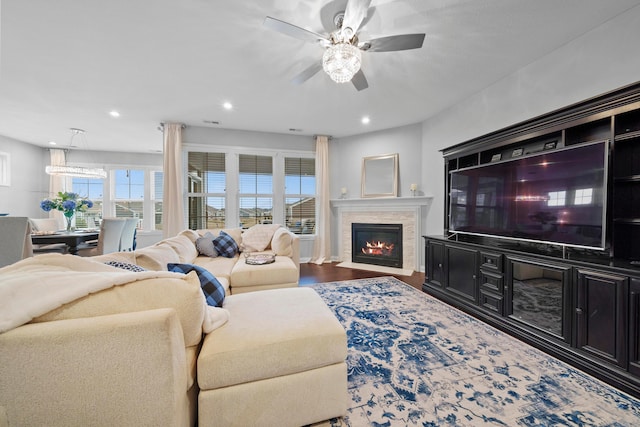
627	136
627	179
380	202
627	221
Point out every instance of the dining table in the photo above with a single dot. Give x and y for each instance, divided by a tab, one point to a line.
70	238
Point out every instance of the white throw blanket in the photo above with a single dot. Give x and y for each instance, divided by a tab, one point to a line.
35	286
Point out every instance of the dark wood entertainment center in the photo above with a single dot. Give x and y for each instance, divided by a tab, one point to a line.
581	305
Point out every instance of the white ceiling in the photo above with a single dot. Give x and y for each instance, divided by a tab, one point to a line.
68	63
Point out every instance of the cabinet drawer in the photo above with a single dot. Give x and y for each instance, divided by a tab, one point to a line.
491	281
492	302
491	261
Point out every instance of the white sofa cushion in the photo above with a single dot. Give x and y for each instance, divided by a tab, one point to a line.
156	257
258	237
282	241
184	245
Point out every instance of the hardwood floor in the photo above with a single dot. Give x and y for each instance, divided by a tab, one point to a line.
330	272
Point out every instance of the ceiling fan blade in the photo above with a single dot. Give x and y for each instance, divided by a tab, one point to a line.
354	15
360	81
393	43
292	30
307	73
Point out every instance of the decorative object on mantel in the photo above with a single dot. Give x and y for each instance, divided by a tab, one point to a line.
343	193
413	189
259	259
77	171
380	176
68	203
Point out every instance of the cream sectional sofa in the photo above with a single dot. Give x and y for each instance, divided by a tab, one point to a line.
233	273
144	349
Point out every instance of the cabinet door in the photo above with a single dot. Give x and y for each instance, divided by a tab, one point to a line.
634	326
435	264
601	315
538	295
462	270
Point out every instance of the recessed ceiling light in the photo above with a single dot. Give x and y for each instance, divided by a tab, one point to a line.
366	120
114	113
53	143
227	106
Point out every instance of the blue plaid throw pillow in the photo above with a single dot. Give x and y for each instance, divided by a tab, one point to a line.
225	245
212	289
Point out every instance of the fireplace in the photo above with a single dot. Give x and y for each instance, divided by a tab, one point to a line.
378	244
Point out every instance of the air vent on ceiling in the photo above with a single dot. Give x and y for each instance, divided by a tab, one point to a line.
211	122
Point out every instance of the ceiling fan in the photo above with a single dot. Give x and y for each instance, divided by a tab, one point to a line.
342	56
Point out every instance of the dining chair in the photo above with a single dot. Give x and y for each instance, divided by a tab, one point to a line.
15	235
128	234
47	225
44	224
108	239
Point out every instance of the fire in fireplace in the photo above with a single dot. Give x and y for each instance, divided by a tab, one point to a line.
377	244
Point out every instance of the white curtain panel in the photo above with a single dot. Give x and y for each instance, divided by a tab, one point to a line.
57	183
322	244
172	202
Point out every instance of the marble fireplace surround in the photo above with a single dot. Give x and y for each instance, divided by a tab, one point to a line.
393	210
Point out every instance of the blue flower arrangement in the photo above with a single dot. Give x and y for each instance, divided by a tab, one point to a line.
68	203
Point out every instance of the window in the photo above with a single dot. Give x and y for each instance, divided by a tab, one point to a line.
207	183
157	195
583	196
230	188
300	190
91	189
5	169
557	198
256	189
129	193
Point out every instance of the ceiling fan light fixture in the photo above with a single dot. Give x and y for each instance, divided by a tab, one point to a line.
341	61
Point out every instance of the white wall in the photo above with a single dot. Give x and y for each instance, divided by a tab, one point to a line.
248	139
29	183
601	60
112	158
345	155
345	160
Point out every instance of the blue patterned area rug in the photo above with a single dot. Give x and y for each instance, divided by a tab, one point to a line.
415	361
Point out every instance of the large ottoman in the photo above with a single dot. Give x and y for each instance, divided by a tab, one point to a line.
283	273
280	360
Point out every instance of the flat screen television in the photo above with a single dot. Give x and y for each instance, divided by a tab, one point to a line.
556	197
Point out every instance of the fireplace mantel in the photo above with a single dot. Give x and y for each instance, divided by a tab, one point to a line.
407	210
382	201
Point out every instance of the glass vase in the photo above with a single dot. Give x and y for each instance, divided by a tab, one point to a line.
68	221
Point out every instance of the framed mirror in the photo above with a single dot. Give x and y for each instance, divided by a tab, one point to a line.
380	176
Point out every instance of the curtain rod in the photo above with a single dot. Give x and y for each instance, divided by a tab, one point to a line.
161	127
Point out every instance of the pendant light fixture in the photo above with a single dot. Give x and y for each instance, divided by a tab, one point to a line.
77	171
